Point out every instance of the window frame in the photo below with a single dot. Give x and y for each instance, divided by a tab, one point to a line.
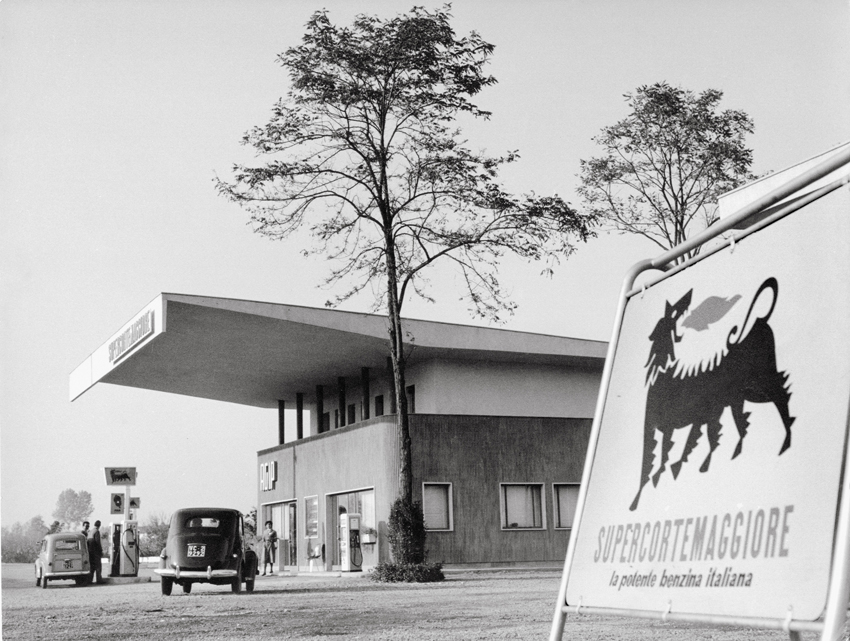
503	507
449	502
556	511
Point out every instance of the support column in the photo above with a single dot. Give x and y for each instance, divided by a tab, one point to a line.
391	379
280	437
299	416
340	385
364	393
320	409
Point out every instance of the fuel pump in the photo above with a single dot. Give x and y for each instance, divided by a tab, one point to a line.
124	549
351	556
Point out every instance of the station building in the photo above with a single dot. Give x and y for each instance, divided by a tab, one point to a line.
499	421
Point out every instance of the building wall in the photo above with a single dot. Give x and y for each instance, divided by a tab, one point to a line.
504	389
476	454
358	457
472	388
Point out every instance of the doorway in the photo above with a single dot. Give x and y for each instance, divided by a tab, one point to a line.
360	502
284	521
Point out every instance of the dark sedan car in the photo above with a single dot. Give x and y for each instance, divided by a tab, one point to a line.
207	545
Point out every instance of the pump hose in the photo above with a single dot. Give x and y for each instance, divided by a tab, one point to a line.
356	557
133	562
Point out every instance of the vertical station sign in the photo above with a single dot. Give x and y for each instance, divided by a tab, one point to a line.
714	482
126	476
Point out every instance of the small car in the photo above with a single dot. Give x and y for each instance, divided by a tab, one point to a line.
207	545
63	555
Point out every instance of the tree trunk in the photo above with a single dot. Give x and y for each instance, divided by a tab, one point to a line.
405	467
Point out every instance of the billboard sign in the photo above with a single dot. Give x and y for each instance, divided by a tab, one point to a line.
714	482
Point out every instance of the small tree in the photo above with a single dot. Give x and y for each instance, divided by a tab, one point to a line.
364	153
154	534
407	532
251	528
666	163
72	508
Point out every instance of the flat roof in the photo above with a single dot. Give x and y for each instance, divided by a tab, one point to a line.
254	353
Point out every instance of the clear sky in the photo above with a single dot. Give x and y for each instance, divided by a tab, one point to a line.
116	115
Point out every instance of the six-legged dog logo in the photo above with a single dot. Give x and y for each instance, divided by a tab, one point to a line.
693	376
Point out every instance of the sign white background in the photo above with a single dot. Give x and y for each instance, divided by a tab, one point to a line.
808	254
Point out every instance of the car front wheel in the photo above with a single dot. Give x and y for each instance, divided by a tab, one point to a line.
166	583
187	588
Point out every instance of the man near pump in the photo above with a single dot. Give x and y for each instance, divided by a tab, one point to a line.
269	546
95	554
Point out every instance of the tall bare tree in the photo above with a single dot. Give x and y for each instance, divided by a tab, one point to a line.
364	152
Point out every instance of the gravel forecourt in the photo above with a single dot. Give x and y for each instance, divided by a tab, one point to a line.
504	604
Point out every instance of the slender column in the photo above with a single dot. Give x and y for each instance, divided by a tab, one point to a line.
391	380
280	437
299	416
340	384
364	392
320	409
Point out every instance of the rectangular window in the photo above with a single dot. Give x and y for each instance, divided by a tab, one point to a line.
522	506
311	520
437	506
326	422
336	419
566	499
351	414
411	399
379	405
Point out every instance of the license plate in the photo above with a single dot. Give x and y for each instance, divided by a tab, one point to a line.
196	550
67	564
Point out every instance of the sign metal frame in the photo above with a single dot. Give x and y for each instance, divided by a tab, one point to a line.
838	593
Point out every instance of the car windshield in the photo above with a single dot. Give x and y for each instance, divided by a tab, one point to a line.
67	544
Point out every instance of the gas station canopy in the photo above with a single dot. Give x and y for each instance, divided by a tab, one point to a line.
255	353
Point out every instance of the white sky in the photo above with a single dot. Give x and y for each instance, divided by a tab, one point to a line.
116	115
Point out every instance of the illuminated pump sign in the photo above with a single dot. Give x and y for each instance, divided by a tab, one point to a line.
714	482
138	330
268	476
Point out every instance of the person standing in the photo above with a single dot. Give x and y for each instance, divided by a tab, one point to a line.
269	547
96	554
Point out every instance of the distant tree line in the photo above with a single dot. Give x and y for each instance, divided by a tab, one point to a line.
20	542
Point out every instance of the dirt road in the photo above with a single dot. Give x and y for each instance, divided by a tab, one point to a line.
487	605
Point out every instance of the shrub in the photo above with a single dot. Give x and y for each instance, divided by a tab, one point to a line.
407	573
407	533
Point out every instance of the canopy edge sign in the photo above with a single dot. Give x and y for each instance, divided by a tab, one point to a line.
712	486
